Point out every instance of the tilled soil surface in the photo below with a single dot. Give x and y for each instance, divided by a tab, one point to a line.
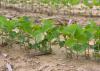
21	60
58	18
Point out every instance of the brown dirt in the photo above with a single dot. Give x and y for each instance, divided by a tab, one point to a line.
59	18
22	60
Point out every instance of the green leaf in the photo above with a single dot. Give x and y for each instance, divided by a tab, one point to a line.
74	2
10	25
70	42
36	30
12	35
39	37
81	36
97	33
47	25
88	3
52	34
96	2
25	24
30	45
3	22
65	2
96	47
21	38
88	34
71	29
80	47
64	30
91	28
45	1
36	46
61	43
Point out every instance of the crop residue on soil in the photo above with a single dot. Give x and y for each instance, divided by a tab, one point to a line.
21	61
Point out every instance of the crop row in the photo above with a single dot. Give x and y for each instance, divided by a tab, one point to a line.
72	2
88	3
42	36
56	2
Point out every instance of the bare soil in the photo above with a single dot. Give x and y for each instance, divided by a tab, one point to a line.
23	60
58	18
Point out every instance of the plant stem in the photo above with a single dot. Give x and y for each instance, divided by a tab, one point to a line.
2	38
88	52
77	55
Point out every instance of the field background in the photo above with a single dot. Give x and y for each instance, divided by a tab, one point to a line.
60	13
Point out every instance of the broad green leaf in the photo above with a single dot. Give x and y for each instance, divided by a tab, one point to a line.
21	38
71	29
89	35
65	2
12	35
79	47
3	22
74	2
25	24
53	33
30	45
76	47
88	3
91	29
80	36
96	47
36	32
70	42
96	2
39	37
61	43
10	25
44	1
64	30
47	25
